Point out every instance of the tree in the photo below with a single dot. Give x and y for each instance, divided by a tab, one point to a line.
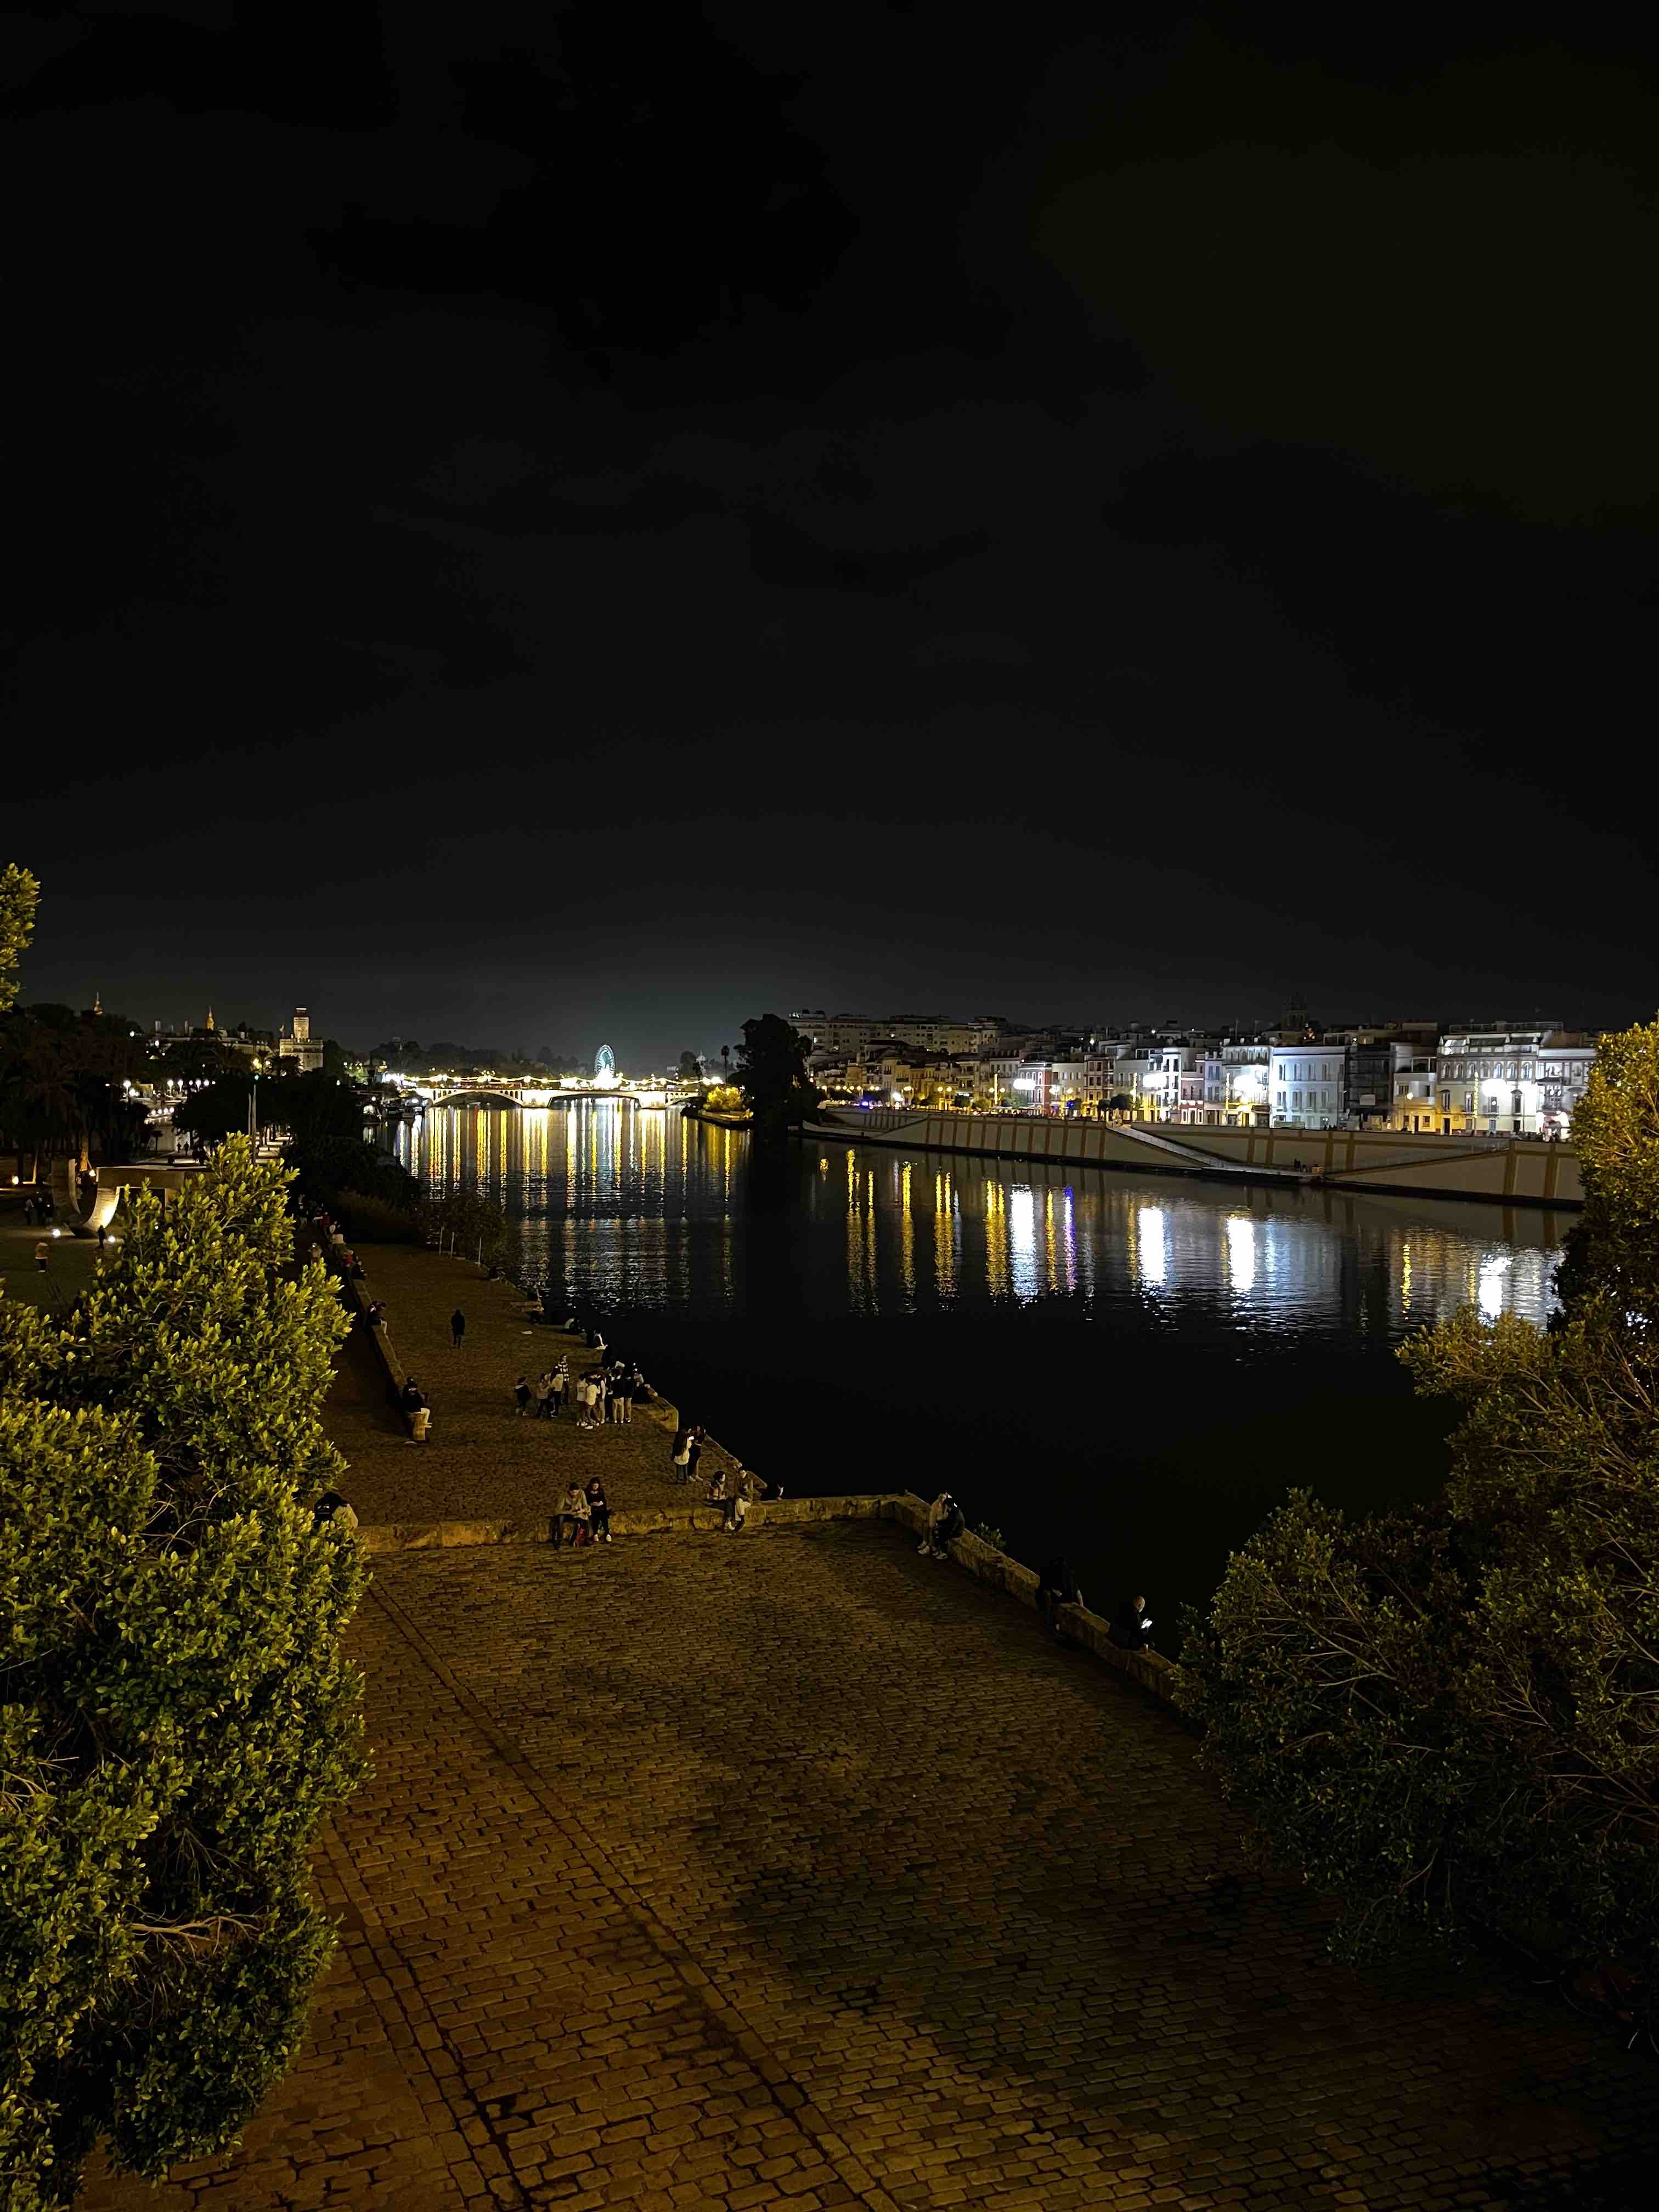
219	1110
691	1068
63	1082
19	893
1451	1718
772	1073
179	1719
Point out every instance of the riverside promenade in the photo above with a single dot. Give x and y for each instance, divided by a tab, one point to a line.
482	1462
794	1869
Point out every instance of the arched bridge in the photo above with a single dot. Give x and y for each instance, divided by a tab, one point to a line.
523	1094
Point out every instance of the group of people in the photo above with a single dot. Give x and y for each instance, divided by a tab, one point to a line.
39	1208
604	1397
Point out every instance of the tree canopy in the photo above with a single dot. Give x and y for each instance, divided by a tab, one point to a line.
179	1716
772	1074
19	894
1450	1718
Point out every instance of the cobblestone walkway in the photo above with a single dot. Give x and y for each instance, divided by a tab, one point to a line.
794	1869
482	1462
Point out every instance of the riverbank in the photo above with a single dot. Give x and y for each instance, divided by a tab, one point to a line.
1503	1170
483	1461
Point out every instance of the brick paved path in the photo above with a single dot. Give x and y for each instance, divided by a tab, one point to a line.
793	1869
482	1462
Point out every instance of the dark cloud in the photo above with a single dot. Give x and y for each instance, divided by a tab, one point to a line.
542	522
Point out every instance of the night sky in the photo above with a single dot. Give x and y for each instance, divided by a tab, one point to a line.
595	521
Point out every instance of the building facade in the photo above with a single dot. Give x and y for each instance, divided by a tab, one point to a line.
295	1046
1306	1084
1518	1082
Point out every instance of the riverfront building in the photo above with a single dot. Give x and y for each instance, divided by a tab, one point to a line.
1521	1083
1307	1084
840	1034
1405	1075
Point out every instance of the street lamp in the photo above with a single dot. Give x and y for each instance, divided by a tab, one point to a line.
253	1107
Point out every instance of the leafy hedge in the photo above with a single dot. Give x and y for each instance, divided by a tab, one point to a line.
1450	1718
179	1719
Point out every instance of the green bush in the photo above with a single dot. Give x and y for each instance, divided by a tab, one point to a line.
179	1719
988	1534
1450	1718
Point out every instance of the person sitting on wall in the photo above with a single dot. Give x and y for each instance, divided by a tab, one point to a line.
412	1397
950	1525
1132	1625
1057	1587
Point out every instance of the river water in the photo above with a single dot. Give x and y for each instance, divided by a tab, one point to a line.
1129	1370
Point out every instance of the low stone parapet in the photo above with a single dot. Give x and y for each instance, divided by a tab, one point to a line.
1087	1631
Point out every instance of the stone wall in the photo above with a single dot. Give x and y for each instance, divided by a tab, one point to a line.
1515	1171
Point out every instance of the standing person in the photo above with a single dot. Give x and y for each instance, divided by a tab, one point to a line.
542	1388
694	1453
622	1402
679	1453
457	1329
585	1393
596	1388
42	1251
598	1511
555	1383
28	1211
522	1396
103	1239
573	1513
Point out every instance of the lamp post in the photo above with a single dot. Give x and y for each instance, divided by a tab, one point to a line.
253	1109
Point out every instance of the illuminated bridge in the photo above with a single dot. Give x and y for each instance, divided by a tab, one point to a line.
478	1091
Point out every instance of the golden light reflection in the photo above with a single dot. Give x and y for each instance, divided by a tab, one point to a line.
945	1237
625	1213
996	1239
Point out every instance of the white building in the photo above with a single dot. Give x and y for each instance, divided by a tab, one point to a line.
1514	1083
1305	1084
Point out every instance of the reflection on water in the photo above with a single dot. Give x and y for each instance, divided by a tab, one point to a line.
623	1205
1128	1369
